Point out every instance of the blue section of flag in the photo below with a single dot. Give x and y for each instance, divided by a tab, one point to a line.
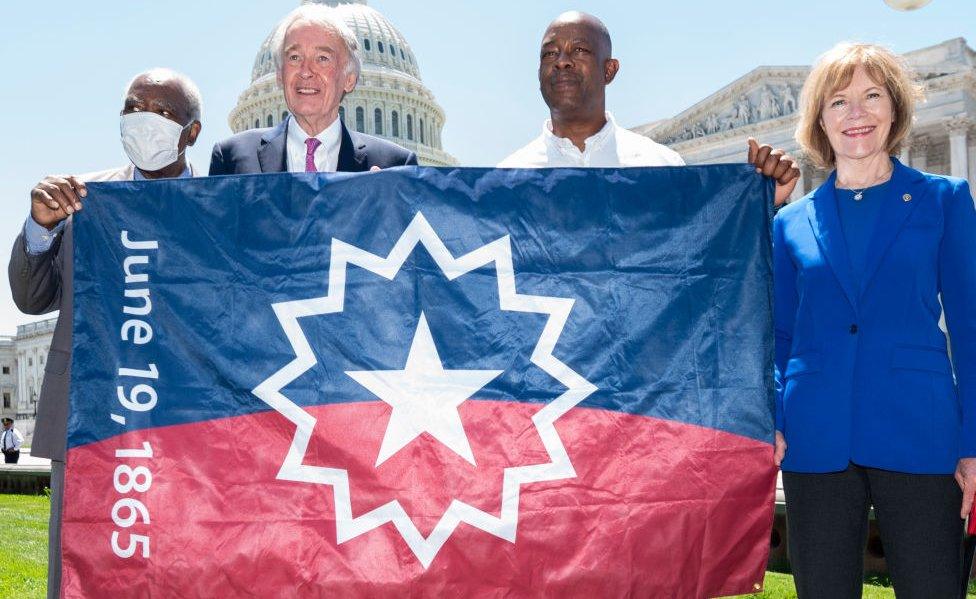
669	269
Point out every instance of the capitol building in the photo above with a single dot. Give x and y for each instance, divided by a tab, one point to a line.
763	104
22	360
390	100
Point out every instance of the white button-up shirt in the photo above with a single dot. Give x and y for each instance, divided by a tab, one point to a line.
610	147
11	439
326	155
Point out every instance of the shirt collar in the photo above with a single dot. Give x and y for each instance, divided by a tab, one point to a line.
330	137
138	176
591	143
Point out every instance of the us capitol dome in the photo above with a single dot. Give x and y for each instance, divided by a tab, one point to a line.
390	100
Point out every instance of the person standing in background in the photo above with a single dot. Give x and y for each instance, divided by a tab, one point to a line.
10	441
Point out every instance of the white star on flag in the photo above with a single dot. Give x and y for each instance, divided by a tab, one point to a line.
424	397
497	253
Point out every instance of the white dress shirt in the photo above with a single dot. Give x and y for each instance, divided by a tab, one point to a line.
610	147
326	155
11	439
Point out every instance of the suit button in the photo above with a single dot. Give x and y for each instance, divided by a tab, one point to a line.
853	329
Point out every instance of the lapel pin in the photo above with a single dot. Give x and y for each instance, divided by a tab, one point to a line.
907	197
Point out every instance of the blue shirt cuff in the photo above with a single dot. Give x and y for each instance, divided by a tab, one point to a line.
37	238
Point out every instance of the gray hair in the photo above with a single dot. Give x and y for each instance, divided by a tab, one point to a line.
325	17
194	101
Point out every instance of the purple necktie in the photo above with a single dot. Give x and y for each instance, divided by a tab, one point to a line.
311	144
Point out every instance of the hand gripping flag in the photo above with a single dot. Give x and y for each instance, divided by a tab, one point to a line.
422	382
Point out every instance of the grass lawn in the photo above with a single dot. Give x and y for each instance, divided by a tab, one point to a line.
23	545
23	555
780	586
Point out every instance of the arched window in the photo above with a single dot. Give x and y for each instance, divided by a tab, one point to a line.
342	114
393	50
284	115
379	46
270	120
257	123
395	124
360	119
410	127
366	45
402	55
420	125
378	122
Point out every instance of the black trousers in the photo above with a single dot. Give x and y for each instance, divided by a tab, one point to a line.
54	530
11	457
918	518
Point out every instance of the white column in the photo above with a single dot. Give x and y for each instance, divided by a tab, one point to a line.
920	148
800	190
803	183
972	162
905	157
21	394
958	128
816	177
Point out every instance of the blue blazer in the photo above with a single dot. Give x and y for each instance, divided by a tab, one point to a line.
263	151
862	370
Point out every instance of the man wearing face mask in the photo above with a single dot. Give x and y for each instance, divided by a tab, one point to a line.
160	119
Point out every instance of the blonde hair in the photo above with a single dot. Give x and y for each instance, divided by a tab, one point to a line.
834	71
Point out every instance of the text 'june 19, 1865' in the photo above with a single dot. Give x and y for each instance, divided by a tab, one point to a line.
135	396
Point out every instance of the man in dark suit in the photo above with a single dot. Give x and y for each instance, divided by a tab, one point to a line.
160	118
317	61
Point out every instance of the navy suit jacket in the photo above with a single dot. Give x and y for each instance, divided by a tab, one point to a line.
263	151
862	370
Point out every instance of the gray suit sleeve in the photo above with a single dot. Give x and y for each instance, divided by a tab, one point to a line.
35	280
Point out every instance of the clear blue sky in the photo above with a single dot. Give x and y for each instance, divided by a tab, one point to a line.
65	63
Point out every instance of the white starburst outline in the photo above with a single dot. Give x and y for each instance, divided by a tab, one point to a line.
578	388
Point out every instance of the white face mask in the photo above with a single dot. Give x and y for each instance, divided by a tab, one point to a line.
150	140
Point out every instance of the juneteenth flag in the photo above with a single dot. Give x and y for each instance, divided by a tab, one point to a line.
422	382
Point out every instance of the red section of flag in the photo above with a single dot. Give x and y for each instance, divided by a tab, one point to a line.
658	508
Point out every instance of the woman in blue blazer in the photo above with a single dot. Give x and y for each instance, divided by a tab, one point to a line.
868	411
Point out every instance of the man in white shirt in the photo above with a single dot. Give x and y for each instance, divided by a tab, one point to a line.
10	442
611	146
160	118
575	67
